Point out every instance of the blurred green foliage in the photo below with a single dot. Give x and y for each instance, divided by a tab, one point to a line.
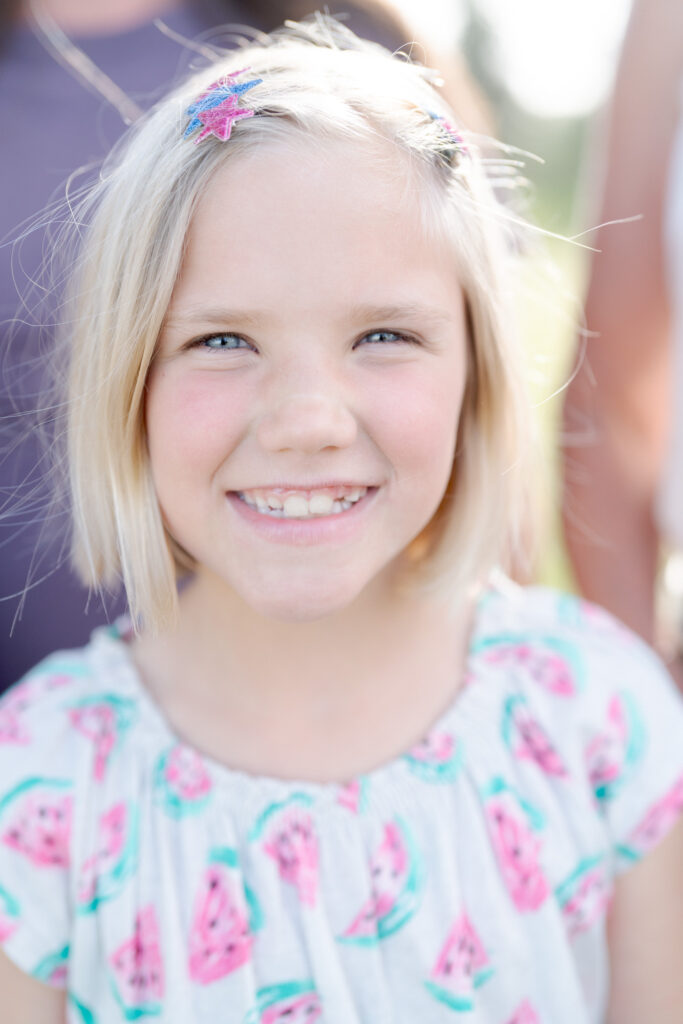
552	283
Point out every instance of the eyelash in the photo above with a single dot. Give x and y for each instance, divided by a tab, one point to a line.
396	337
204	342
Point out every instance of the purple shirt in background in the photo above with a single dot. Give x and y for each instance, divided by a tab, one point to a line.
51	125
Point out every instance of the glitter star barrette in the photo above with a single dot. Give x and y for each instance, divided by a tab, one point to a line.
217	109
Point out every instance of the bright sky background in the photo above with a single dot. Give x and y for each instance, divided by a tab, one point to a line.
557	56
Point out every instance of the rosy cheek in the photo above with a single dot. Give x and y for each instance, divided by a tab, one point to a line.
194	417
417	413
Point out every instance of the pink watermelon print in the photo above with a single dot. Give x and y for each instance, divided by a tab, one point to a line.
288	836
182	782
547	660
437	758
660	818
35	820
525	737
461	967
525	1014
396	876
580	615
517	849
613	753
114	861
102	720
585	896
9	915
138	969
222	930
52	969
292	1002
353	795
13	728
85	1016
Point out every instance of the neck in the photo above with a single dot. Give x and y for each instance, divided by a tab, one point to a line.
366	682
356	642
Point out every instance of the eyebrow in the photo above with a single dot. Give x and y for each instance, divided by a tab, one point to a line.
216	315
221	316
424	313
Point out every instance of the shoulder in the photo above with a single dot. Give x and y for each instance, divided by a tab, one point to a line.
603	699
573	648
59	726
35	720
70	696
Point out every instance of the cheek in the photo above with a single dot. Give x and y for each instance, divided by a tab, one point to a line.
416	416
191	424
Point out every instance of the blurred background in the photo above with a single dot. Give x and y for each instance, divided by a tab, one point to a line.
547	70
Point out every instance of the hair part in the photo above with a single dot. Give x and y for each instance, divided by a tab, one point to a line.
320	83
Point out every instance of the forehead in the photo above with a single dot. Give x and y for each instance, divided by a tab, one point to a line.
309	219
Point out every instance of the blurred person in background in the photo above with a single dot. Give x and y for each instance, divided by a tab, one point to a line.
72	74
623	414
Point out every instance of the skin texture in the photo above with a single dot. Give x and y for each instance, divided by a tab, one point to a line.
616	414
27	1000
314	635
645	932
305	399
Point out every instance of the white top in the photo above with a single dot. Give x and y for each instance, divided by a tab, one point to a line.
670	503
472	873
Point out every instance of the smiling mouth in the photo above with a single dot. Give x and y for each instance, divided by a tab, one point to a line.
293	504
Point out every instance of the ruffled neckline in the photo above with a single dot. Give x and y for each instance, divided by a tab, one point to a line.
111	651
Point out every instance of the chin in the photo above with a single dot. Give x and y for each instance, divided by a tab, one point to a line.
303	602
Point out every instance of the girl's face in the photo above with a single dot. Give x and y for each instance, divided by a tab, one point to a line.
303	406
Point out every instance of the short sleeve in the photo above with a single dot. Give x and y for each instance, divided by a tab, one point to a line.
37	795
632	735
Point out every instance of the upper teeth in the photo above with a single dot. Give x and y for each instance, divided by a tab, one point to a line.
298	505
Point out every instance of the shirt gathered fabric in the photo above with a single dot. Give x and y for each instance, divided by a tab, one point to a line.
471	874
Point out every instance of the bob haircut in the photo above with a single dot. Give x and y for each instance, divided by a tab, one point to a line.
319	83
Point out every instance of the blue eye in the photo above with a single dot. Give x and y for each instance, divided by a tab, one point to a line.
223	342
383	337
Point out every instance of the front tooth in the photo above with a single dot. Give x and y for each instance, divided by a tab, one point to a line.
295	505
274	501
320	504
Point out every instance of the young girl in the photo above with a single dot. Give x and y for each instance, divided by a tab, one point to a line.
339	776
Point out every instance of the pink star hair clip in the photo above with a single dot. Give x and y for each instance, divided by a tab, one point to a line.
216	110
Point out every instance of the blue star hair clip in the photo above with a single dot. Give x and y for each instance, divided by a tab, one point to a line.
217	108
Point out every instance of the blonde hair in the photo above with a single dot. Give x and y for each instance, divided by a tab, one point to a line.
320	82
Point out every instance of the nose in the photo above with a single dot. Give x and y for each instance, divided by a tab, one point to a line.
308	423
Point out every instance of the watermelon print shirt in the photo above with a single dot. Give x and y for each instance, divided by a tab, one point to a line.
467	879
